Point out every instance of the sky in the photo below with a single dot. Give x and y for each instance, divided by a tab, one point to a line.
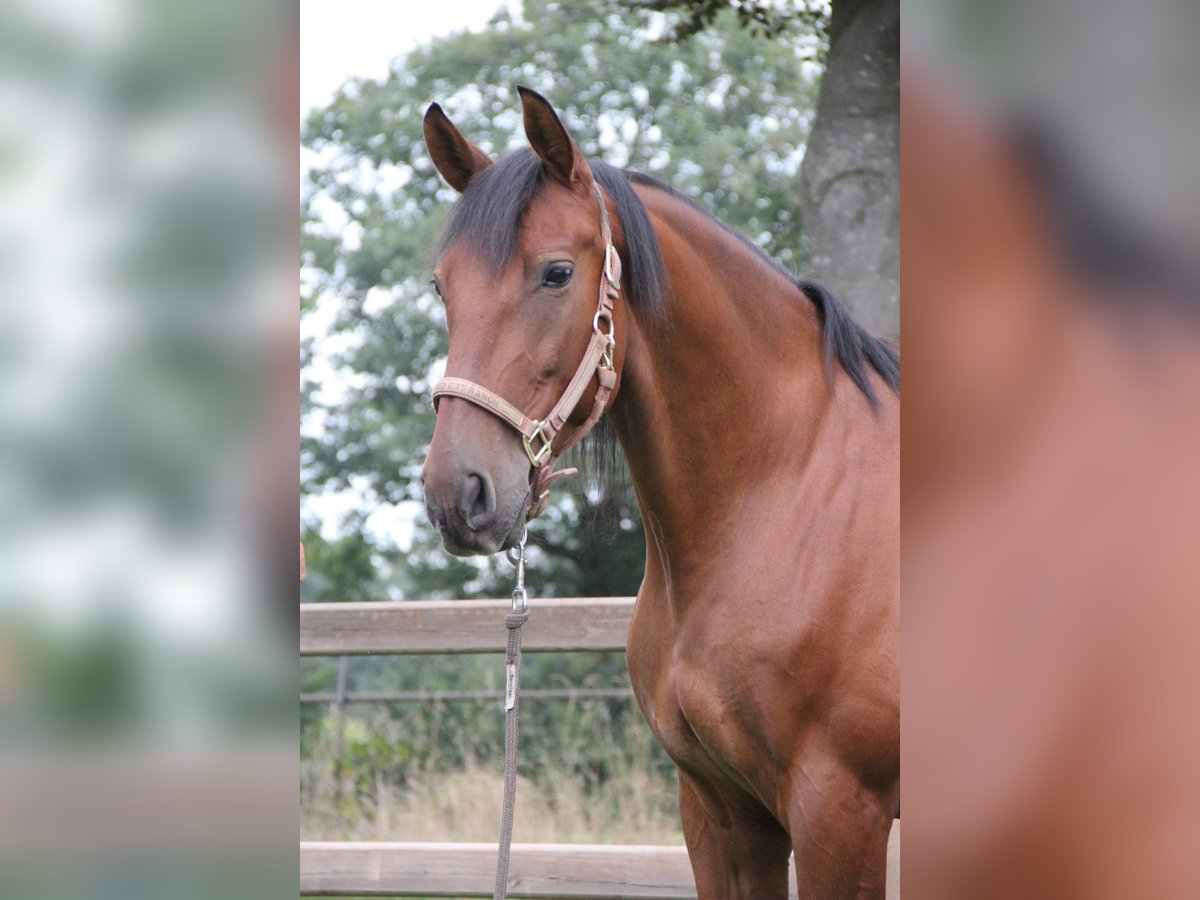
344	38
341	39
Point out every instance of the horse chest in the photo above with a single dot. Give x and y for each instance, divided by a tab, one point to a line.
700	706
696	727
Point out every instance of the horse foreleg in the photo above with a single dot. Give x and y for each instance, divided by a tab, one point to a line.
840	835
738	851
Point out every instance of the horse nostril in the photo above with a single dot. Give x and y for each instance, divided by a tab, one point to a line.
479	501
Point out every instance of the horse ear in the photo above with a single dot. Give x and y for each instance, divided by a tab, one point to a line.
456	158
552	144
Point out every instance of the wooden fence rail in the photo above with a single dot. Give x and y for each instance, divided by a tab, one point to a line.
461	626
469	870
537	870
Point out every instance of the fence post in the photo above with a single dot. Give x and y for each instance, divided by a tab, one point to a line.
339	729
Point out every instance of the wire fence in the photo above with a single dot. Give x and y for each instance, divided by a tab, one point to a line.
452	696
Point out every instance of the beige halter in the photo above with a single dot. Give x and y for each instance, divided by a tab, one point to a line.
538	435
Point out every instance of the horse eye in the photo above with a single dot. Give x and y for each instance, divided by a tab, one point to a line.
558	275
437	288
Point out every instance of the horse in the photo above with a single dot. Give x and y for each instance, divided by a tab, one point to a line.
761	428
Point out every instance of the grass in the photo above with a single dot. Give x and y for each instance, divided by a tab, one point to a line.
436	775
465	806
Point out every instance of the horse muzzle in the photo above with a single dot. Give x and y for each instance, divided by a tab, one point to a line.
475	512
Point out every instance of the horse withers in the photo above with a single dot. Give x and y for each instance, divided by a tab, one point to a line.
761	426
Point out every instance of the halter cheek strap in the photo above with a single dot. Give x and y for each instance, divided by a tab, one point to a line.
538	435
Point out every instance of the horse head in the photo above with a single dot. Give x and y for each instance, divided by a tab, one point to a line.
518	267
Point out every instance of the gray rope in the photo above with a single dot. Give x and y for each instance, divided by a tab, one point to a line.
512	691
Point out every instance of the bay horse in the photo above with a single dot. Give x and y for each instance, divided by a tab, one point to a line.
761	427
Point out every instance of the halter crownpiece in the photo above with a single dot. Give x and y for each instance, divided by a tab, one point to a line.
538	435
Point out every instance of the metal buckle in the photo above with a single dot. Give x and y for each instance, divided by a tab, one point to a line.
536	458
516	556
607	359
612	264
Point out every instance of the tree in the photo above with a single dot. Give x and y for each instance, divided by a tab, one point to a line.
761	18
850	180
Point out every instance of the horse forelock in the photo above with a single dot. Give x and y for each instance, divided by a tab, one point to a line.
489	216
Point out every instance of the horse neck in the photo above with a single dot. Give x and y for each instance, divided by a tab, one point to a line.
727	392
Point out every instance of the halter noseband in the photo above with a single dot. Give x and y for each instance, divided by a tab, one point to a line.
538	435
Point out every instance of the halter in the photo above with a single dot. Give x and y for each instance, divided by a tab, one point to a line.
538	435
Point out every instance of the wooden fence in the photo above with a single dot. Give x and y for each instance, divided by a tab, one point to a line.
466	870
461	626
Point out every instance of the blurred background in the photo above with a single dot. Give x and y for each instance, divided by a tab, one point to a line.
1051	463
147	387
781	118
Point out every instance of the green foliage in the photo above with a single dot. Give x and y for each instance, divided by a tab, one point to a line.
599	747
562	731
761	19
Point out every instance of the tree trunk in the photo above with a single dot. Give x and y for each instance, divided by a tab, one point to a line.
850	179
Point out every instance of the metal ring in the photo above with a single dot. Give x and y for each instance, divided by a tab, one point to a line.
596	323
523	598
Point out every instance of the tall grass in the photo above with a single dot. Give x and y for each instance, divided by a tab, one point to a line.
590	772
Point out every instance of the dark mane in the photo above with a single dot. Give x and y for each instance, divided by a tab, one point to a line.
845	341
489	215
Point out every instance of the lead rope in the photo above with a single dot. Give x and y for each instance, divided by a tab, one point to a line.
512	695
